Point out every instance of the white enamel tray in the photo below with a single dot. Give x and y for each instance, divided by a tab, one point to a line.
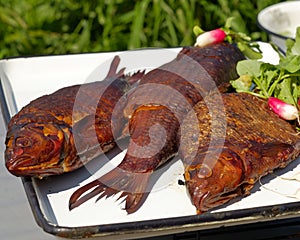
167	209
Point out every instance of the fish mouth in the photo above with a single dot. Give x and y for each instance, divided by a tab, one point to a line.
219	200
38	173
17	162
20	168
213	200
206	201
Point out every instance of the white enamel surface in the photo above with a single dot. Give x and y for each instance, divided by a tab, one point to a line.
282	19
32	77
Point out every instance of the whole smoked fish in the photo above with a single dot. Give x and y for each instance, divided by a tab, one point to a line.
41	137
235	140
155	109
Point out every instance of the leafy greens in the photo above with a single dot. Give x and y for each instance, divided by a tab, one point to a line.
269	80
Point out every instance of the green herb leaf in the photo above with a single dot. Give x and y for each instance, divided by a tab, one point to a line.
285	91
248	67
243	83
266	80
290	63
248	51
197	30
289	43
296	47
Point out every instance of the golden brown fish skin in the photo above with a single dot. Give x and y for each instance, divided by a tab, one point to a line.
194	73
250	142
41	136
149	134
162	98
132	174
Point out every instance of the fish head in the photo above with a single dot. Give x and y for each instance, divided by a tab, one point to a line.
34	149
212	181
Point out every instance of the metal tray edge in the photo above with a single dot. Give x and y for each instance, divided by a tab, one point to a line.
276	214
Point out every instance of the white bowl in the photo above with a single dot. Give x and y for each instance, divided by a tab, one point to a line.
280	21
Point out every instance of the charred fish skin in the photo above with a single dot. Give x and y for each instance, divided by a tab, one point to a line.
41	137
162	98
255	142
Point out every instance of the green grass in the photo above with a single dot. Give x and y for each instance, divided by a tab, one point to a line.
39	27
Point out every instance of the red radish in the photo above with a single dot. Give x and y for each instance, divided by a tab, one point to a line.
213	36
283	109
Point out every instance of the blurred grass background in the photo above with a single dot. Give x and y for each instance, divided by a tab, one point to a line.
39	27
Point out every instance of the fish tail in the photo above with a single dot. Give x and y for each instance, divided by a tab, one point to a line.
132	186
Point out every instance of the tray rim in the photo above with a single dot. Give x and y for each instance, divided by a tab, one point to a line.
272	215
269	215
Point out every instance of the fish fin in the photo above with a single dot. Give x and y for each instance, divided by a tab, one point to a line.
133	187
272	149
132	79
136	77
112	72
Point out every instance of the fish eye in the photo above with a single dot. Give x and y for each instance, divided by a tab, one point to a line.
22	142
204	171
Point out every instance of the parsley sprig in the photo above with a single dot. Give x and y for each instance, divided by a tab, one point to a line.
266	80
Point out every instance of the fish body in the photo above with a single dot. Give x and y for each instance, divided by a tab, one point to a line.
41	137
232	145
155	109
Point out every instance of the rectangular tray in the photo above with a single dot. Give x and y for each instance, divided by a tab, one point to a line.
168	209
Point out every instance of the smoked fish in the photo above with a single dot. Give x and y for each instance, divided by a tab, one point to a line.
155	109
235	140
41	137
